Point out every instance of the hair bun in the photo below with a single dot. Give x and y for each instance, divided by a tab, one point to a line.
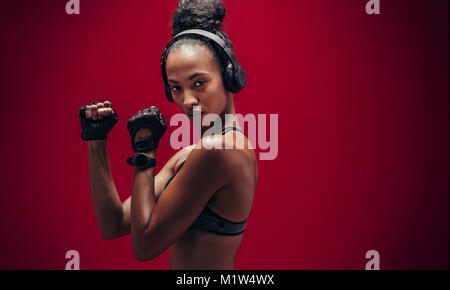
198	14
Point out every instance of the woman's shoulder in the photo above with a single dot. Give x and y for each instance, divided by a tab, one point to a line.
180	157
232	148
232	153
230	140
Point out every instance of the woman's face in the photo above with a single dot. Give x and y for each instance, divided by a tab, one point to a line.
195	79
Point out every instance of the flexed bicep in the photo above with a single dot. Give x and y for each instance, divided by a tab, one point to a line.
184	199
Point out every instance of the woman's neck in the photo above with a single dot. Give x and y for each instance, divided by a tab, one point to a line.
228	118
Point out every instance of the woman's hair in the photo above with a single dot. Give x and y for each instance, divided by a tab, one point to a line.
200	14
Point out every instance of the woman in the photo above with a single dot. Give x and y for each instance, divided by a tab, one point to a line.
199	202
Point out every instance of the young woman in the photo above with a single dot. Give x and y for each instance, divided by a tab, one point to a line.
199	202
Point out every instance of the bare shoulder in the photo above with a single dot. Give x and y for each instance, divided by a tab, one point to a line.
181	156
233	154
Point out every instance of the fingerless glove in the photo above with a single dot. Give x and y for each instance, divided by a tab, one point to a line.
96	129
151	119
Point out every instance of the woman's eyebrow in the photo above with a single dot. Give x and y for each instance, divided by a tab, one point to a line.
191	77
196	75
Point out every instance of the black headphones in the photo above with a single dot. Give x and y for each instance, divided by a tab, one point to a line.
234	77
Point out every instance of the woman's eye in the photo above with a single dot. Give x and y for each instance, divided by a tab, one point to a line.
198	83
175	89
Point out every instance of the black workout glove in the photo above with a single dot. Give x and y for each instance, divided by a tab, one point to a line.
151	119
96	129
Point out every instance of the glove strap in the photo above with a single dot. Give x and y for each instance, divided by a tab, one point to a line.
90	139
145	145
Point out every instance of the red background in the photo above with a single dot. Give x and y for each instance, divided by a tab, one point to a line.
363	105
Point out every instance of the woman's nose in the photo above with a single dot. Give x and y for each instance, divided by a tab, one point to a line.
190	101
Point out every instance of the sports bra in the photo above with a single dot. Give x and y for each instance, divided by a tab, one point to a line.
208	220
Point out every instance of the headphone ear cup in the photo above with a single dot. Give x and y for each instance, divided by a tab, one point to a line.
240	78
168	93
229	79
167	89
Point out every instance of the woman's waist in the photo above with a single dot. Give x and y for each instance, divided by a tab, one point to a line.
204	250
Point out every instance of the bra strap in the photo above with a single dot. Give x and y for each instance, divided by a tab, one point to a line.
231	128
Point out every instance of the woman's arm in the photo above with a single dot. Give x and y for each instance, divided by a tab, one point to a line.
156	225
113	216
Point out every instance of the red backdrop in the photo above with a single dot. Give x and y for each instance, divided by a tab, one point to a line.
363	105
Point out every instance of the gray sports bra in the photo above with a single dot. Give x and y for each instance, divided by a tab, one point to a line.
212	222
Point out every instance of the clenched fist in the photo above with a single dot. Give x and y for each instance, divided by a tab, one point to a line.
149	126
97	119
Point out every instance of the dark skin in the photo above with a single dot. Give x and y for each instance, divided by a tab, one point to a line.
223	180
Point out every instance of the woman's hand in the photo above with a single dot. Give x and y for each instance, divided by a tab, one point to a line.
146	129
142	134
97	119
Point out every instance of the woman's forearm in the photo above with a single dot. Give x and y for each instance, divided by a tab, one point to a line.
107	205
142	203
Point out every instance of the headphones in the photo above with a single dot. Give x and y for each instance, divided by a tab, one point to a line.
234	77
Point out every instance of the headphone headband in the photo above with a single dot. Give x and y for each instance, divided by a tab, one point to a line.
203	33
228	50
